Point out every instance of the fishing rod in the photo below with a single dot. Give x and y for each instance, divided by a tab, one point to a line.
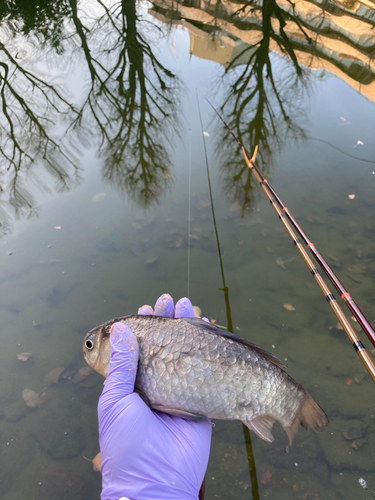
345	296
225	290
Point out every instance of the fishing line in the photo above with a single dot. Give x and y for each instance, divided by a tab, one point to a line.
283	215
189	220
247	437
340	150
225	288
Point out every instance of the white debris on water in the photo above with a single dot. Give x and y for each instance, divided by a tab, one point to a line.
362	482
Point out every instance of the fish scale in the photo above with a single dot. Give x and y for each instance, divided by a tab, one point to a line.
193	369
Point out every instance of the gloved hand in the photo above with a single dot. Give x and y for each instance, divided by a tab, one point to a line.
146	454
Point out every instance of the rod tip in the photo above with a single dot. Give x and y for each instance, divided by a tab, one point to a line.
201	93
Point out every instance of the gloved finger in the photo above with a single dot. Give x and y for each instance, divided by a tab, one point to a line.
123	364
184	309
145	311
164	306
206	320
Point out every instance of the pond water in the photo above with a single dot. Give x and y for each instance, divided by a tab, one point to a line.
100	139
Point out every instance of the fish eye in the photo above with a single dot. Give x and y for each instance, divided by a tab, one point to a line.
89	344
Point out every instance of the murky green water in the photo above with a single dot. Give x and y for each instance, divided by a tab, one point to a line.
99	129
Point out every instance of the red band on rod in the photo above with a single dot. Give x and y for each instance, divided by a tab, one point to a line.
345	295
285	208
310	244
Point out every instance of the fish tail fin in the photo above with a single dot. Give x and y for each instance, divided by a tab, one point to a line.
310	416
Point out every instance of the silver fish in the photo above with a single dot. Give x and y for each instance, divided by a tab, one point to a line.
194	369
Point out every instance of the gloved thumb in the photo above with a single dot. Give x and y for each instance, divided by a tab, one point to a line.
123	364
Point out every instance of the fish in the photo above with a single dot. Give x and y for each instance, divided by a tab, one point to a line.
194	370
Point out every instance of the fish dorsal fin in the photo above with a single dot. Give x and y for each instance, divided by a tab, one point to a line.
262	426
209	327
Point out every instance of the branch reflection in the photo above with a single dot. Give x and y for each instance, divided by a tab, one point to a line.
125	113
264	102
133	103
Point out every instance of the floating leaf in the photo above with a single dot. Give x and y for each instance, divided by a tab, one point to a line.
289	307
53	376
29	397
206	134
99	197
174	239
359	143
152	260
265	478
348	381
351	196
32	399
58	227
82	374
69	373
281	263
24	356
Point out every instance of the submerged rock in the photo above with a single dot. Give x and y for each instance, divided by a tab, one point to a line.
16	411
59	435
338	449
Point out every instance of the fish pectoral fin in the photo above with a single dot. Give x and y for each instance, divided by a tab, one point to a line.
262	426
178	412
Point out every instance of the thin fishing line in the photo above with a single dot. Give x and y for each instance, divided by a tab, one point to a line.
189	218
210	191
248	444
275	201
349	302
340	150
230	324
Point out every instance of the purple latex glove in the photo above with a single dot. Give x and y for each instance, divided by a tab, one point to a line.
146	454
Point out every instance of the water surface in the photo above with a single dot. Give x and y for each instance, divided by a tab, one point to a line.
100	132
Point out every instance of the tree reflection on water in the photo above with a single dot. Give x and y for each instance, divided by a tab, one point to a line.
131	99
263	101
